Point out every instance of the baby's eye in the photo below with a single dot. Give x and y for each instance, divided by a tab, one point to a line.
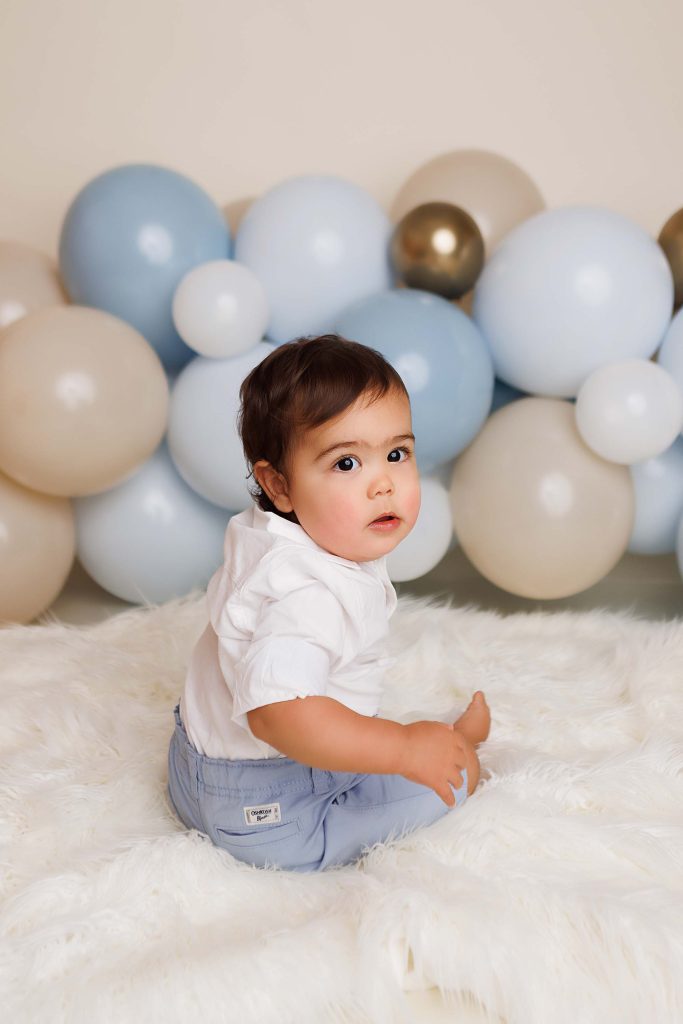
406	452
344	463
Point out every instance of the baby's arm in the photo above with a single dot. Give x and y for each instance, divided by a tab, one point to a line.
321	732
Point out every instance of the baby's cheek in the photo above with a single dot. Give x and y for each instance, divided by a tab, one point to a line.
412	506
344	511
332	510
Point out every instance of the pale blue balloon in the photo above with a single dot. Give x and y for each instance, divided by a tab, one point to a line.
443	362
129	237
570	290
150	538
202	427
317	243
658	485
670	355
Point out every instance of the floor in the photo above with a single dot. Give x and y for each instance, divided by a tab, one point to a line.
649	586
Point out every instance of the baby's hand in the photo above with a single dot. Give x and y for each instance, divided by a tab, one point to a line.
434	755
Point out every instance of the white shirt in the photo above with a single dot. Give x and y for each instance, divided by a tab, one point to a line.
287	619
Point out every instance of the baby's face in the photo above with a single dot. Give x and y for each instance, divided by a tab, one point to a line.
338	493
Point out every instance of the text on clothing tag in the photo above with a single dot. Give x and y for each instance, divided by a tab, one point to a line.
263	814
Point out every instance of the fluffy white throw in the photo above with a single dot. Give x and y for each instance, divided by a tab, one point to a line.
554	894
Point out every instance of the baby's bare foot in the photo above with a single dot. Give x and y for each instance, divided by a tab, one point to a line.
475	722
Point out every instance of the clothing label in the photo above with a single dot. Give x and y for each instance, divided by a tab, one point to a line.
264	814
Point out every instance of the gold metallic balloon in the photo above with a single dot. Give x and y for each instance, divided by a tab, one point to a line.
493	190
671	241
438	247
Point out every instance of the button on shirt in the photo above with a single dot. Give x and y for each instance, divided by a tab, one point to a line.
286	619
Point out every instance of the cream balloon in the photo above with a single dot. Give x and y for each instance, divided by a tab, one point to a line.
29	280
536	511
495	192
428	541
629	411
37	549
220	309
83	400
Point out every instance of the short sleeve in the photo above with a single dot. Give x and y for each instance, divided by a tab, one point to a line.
296	639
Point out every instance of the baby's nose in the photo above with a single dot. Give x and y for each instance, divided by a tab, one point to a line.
384	486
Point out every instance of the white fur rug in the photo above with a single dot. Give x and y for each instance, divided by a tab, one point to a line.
554	894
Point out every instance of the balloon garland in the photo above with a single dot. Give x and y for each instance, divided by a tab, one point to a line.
542	351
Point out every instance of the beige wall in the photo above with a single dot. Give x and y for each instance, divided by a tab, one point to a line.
586	96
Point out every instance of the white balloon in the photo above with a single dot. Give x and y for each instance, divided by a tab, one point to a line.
428	541
629	411
220	309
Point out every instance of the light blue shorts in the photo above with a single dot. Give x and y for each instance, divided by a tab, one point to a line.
276	812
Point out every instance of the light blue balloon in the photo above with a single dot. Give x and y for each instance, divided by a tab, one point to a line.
670	355
202	427
127	240
441	358
317	243
658	486
570	290
150	538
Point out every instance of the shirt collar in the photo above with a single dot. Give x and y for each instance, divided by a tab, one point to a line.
273	523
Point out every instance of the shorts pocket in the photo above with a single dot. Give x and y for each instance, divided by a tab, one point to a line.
259	837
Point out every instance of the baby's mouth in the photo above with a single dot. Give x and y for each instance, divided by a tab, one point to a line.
387	517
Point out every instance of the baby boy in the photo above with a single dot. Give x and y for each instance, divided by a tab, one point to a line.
278	753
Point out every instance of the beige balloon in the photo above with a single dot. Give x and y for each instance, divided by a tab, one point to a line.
83	400
495	192
37	550
29	280
535	510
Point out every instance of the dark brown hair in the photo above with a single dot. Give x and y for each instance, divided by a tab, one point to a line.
299	386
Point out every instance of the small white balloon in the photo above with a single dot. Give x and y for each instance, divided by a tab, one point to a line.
629	411
220	309
429	540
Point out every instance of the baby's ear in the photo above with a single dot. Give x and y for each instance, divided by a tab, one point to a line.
274	484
